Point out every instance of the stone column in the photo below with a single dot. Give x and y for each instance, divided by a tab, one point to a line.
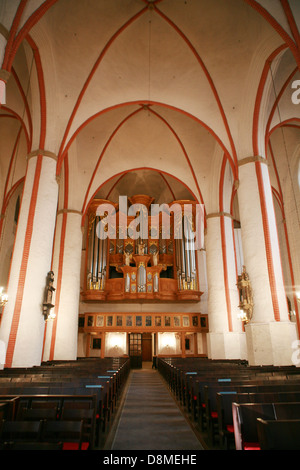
62	333
22	326
270	333
226	339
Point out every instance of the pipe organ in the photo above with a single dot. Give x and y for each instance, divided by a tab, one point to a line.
186	256
138	255
97	255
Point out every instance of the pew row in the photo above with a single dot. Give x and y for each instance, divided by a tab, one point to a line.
224	407
206	390
43	435
85	391
245	420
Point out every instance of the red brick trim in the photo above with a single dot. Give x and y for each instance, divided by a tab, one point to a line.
268	245
24	264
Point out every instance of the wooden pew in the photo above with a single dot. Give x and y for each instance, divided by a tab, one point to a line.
211	391
278	434
39	386
70	433
58	407
187	378
224	406
245	420
190	379
103	386
11	431
37	435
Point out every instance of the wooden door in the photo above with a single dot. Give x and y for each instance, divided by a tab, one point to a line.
147	347
135	350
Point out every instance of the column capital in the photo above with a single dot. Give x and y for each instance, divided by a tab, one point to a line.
43	153
69	211
254	159
219	214
4	75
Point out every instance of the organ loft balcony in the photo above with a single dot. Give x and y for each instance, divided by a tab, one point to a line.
138	251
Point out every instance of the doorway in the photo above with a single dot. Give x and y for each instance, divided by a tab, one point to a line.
147	347
140	349
135	350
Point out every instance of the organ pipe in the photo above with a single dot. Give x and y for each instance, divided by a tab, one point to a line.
141	272
178	262
97	255
186	252
185	256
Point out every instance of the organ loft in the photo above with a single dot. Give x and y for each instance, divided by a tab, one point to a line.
152	264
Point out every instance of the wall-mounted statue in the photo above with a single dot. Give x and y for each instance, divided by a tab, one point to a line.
246	295
49	289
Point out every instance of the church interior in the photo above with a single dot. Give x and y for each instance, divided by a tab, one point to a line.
150	224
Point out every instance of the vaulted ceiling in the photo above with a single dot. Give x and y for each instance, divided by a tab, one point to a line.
161	97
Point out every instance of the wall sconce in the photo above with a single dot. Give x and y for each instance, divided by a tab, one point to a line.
50	316
3	297
242	315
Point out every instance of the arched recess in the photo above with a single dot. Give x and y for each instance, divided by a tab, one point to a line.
284	156
8	228
179	187
286	259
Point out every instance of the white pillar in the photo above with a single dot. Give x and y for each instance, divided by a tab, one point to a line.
202	279
270	334
225	338
22	326
62	332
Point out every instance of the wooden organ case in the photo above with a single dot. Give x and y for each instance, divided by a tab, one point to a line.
127	267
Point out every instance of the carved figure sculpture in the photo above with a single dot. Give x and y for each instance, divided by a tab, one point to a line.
246	295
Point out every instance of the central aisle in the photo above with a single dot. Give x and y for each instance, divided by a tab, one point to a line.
150	419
